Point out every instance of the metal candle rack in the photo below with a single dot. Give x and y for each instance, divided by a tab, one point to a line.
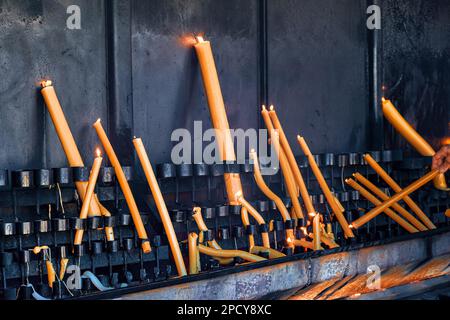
41	207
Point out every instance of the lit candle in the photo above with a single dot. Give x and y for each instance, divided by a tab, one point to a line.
391	182
137	220
88	196
161	205
292	162
325	189
218	114
366	218
383	196
413	137
406	191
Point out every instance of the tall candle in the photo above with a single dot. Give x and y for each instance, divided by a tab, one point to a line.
383	196
218	114
391	182
160	205
366	218
325	189
137	220
292	162
88	196
65	136
406	191
413	137
287	173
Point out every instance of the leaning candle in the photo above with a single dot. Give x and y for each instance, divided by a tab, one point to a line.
137	220
194	266
292	162
218	114
88	196
366	218
383	196
287	174
65	136
161	205
413	137
391	182
406	191
325	189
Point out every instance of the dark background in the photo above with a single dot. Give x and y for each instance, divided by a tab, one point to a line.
314	59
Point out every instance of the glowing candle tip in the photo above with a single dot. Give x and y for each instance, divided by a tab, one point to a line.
98	152
272	108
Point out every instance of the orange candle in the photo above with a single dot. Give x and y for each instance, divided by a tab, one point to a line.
414	138
218	114
325	189
288	179
137	220
316	233
265	189
88	196
366	218
292	162
391	182
406	191
194	266
67	141
383	196
161	205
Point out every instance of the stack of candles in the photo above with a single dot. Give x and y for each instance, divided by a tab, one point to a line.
293	179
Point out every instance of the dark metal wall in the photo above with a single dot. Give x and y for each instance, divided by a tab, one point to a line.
416	56
130	65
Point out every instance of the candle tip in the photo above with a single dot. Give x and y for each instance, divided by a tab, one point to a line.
252	151
272	108
383	99
98	121
46	83
351	226
98	152
200	39
264	107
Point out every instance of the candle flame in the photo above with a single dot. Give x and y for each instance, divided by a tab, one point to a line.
445	141
98	152
264	107
272	108
303	229
383	99
200	39
312	214
351	226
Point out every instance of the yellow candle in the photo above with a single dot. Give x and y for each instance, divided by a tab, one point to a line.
218	114
194	267
161	205
391	182
266	190
288	179
413	137
325	189
88	196
366	218
383	196
406	191
67	141
292	162
137	220
316	233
